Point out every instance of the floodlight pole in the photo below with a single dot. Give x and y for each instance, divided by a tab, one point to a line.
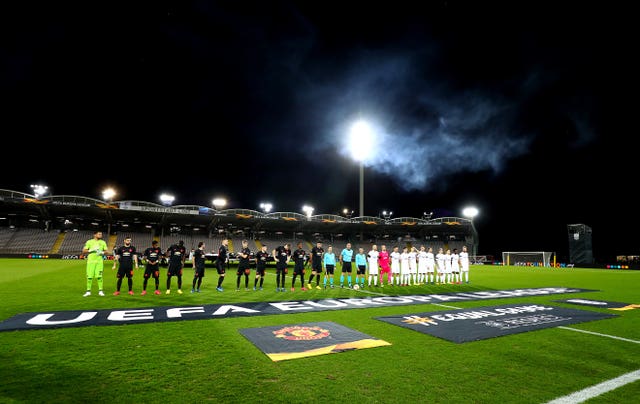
361	195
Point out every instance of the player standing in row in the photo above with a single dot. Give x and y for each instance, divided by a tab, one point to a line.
177	254
385	265
361	265
346	256
197	264
464	264
125	258
373	266
448	272
317	253
431	263
299	259
261	266
413	268
455	266
152	267
243	266
395	266
282	254
440	258
95	248
221	262
329	266
422	265
404	267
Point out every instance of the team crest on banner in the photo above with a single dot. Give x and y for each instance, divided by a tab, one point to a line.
302	340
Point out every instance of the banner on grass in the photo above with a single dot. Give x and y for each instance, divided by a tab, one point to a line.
473	324
601	303
295	341
59	319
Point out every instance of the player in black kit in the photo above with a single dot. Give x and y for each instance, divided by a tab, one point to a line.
243	265
317	254
152	269
177	253
198	267
261	266
282	254
299	259
125	257
221	262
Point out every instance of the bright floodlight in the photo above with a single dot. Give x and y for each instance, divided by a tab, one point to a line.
308	210
108	194
39	190
360	140
266	206
470	212
219	203
167	199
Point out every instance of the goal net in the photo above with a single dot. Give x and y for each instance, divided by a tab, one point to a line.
527	258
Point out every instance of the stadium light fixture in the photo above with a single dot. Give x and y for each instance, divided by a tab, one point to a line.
470	212
108	194
219	203
361	144
39	190
167	199
266	206
308	210
347	213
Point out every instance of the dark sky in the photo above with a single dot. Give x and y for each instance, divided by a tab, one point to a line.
524	109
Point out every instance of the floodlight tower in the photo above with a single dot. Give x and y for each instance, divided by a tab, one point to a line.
361	143
167	199
471	212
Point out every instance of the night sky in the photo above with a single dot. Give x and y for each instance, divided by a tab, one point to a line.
524	109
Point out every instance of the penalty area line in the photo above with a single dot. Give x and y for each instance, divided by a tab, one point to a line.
600	388
599	334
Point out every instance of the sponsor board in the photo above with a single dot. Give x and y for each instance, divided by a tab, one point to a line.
473	324
296	341
78	318
619	306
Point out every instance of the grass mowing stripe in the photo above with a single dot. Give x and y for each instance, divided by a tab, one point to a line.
599	334
600	388
444	305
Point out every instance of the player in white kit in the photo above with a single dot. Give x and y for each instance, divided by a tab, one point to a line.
447	267
431	263
464	264
422	265
455	266
395	266
373	265
413	266
404	267
441	266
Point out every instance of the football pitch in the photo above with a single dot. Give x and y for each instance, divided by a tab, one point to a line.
211	361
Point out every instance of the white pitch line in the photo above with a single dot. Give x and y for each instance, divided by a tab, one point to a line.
600	388
444	305
601	335
373	293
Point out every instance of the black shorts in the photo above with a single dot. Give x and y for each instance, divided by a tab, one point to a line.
198	272
362	269
174	270
243	271
124	272
281	266
261	271
330	269
152	271
346	266
298	270
220	267
317	268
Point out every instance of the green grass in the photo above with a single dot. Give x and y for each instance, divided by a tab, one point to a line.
209	360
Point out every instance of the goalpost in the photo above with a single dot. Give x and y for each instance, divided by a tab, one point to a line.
527	258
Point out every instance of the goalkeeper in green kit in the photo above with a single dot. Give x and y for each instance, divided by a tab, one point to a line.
94	248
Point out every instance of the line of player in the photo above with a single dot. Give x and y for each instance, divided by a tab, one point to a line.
409	267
